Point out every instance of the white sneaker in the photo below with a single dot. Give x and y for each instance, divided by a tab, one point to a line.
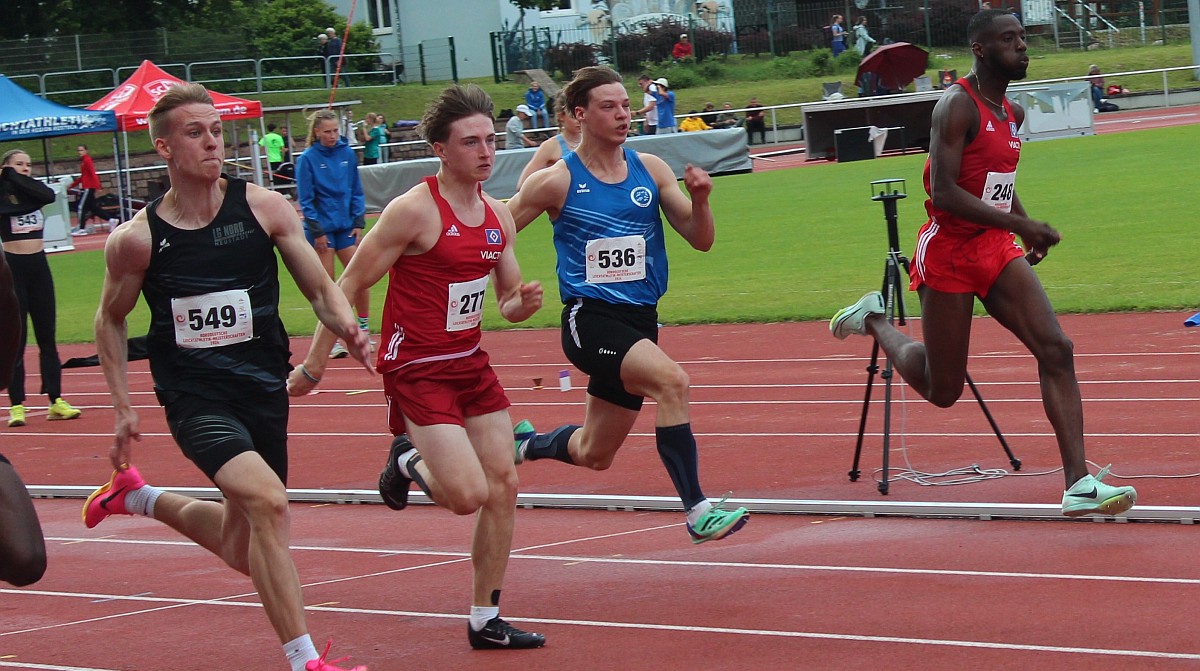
339	351
854	318
78	232
1091	496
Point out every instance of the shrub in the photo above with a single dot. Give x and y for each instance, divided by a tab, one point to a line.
569	57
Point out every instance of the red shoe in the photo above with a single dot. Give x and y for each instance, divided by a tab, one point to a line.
320	664
110	498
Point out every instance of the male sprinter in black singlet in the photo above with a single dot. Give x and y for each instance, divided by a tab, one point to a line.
204	257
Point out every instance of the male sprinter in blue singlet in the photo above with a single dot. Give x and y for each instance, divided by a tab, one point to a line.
604	202
968	249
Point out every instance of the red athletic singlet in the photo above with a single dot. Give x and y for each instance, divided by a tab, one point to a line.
995	150
435	300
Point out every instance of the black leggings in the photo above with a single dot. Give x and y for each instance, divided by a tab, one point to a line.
35	295
88	206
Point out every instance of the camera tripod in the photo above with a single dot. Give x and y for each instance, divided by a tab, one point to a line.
888	191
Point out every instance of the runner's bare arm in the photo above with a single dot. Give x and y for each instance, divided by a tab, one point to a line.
516	299
691	217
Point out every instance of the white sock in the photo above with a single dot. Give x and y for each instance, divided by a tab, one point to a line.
141	500
481	615
300	651
698	511
402	462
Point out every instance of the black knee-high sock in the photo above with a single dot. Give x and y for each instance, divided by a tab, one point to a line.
677	449
552	445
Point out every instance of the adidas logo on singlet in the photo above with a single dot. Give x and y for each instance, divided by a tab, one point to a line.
452	231
990	128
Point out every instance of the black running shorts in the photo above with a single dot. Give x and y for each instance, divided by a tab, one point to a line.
597	335
211	432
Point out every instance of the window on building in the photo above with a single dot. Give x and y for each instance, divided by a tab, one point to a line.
380	15
562	7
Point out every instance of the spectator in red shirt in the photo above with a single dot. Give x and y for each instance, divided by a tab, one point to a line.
683	48
86	207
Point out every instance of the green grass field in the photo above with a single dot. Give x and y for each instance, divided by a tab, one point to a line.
799	244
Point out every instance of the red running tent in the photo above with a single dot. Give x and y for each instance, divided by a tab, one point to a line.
132	100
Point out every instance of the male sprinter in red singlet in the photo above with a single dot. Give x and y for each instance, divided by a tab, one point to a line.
968	249
441	242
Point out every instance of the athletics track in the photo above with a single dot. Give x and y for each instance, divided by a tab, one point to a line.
775	407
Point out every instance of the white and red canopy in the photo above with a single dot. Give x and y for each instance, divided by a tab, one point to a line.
133	99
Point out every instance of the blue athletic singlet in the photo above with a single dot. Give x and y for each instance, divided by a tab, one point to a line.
609	237
562	142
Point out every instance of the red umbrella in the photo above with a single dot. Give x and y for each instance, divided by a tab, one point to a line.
894	65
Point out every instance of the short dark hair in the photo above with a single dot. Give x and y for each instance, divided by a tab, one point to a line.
982	23
454	103
270	128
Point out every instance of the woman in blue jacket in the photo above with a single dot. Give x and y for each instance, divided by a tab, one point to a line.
331	201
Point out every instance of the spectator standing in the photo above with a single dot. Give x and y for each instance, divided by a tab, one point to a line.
682	50
649	109
287	144
21	229
332	203
86	207
837	35
375	133
755	121
514	130
862	39
334	51
272	142
22	545
664	102
535	100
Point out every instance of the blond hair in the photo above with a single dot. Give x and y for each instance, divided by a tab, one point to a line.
184	93
11	153
316	118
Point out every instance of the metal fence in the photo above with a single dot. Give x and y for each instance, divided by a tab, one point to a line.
236	77
765	27
430	60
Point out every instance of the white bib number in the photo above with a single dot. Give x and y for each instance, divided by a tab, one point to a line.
213	320
464	310
998	190
616	259
28	223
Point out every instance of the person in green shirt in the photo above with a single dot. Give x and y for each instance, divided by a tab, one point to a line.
273	143
376	133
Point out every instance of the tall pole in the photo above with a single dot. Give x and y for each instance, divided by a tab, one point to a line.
1194	24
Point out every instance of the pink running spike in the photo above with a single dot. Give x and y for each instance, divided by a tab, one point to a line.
109	499
320	664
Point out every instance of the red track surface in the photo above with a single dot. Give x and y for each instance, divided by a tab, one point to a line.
775	408
775	417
